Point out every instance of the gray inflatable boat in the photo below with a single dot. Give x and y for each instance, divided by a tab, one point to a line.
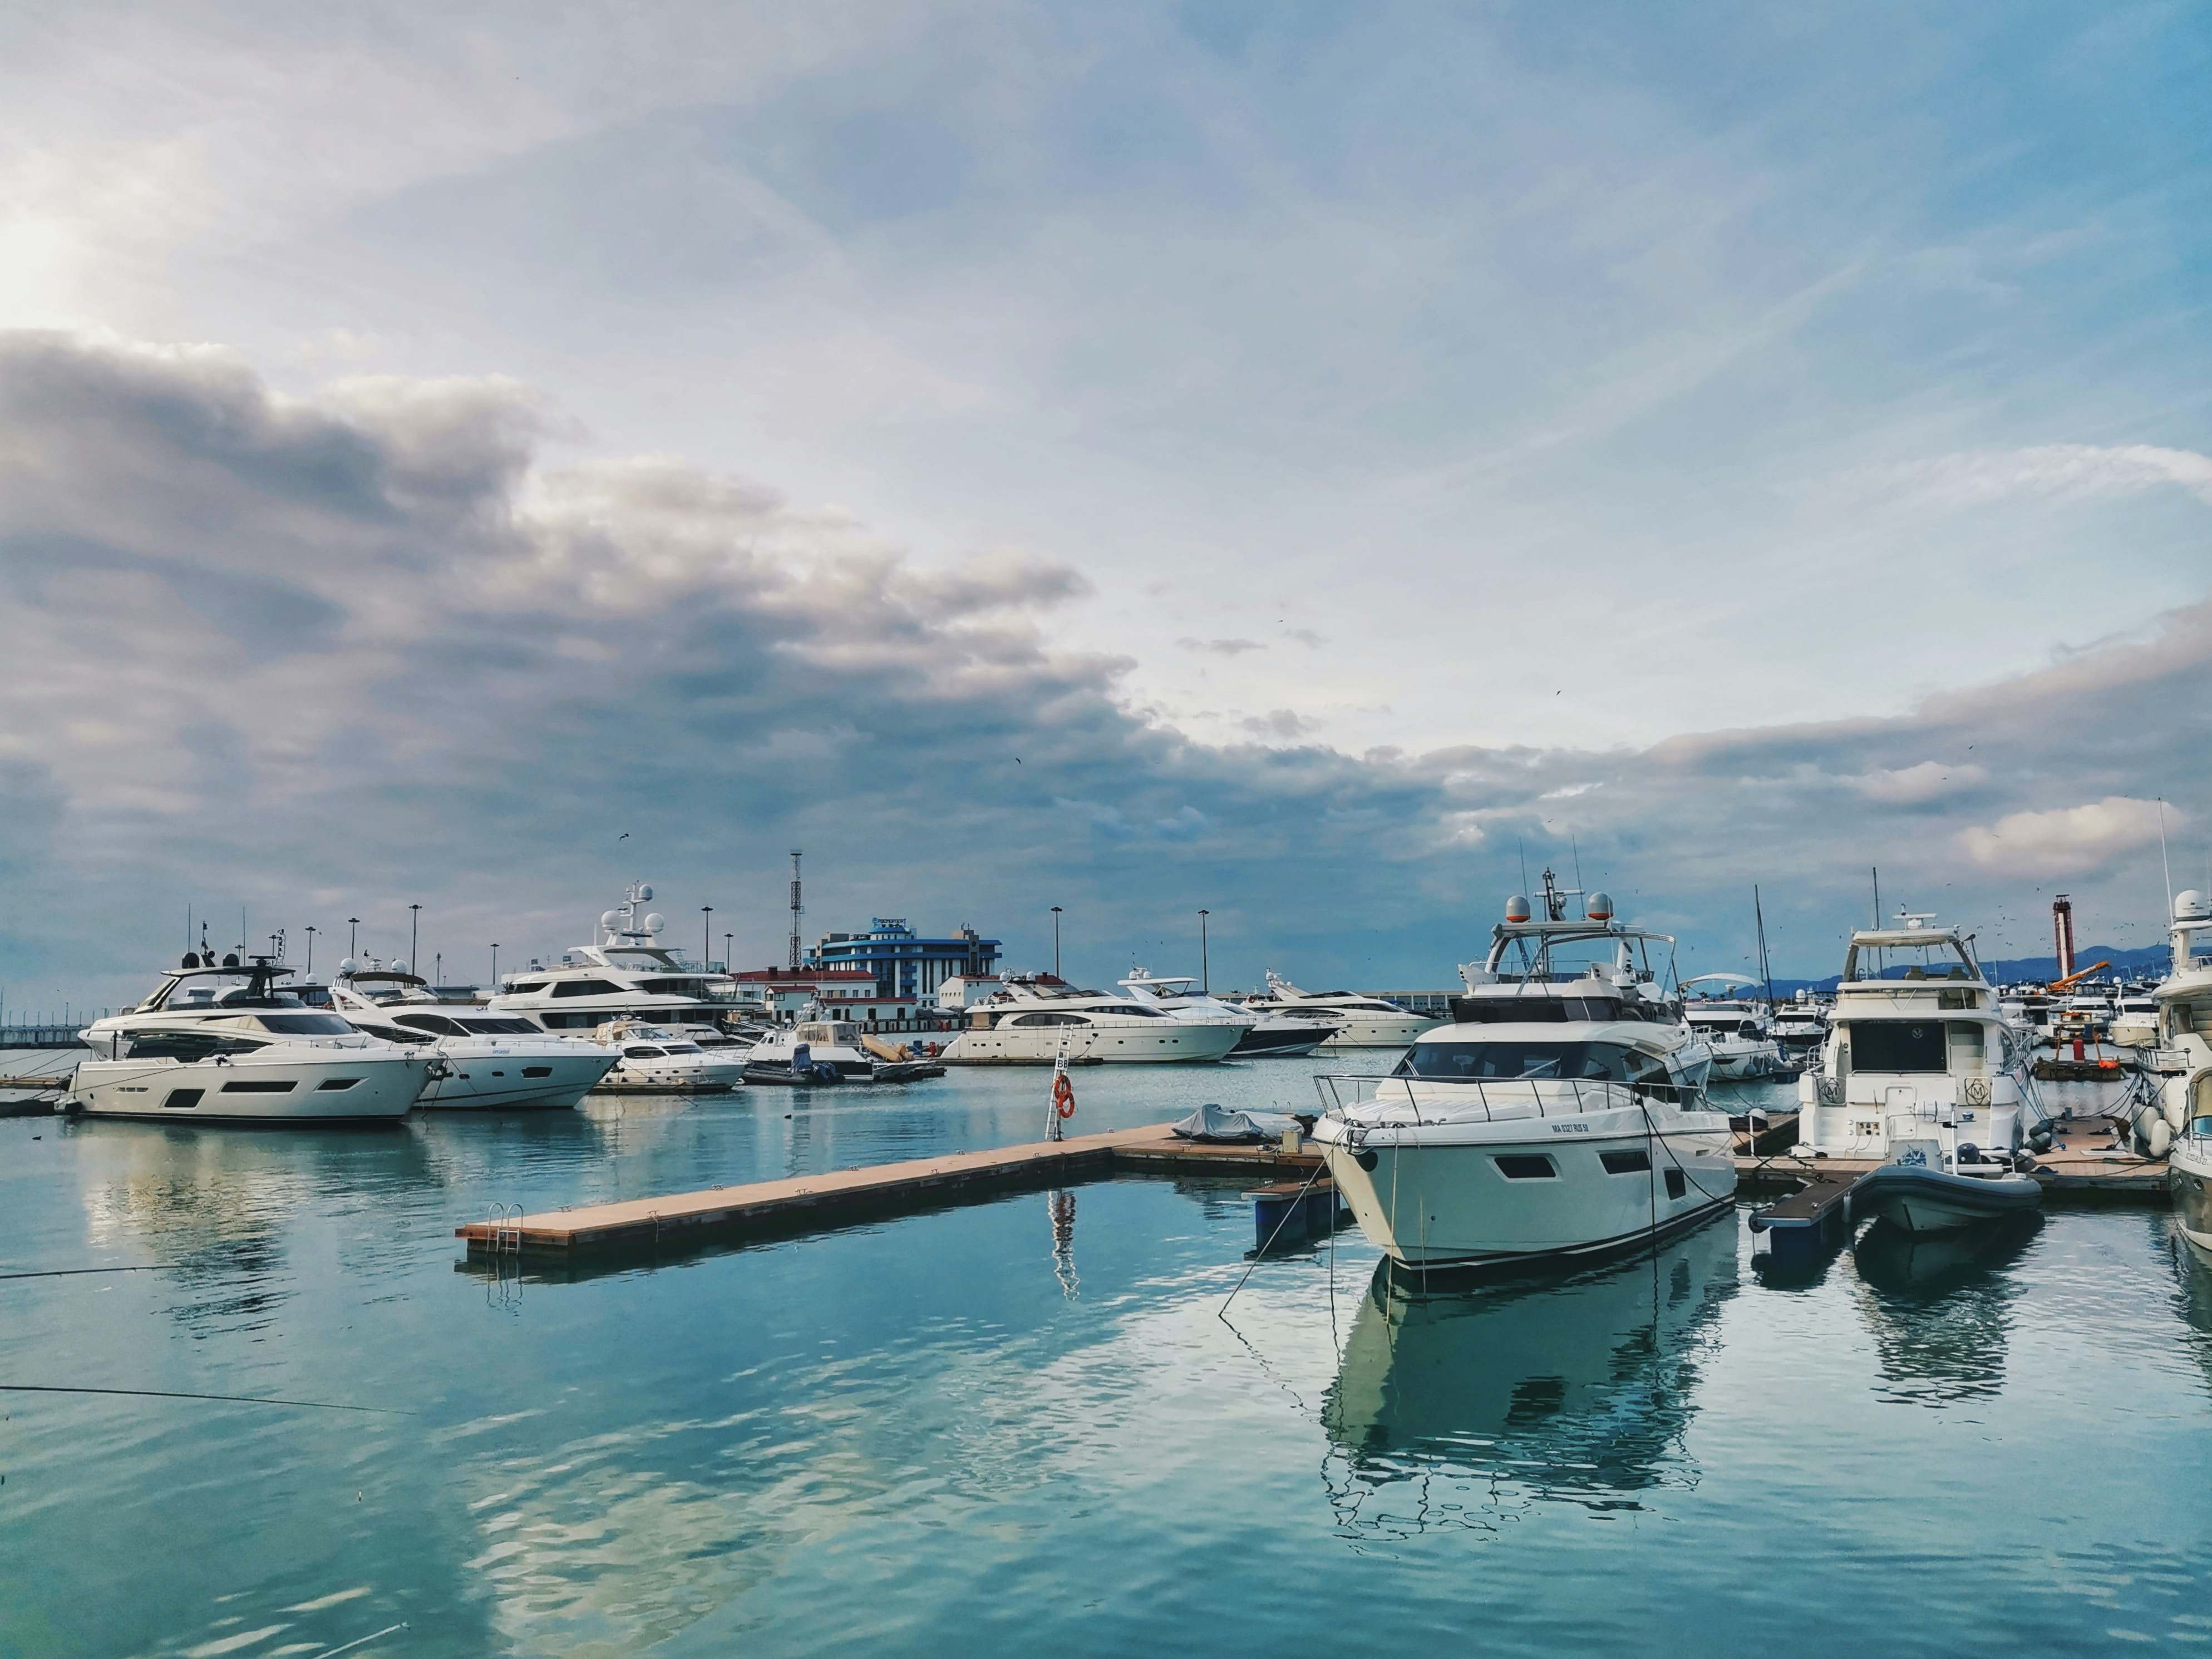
1920	1199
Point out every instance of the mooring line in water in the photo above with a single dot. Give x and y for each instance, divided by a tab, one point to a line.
1289	1210
331	1653
169	1393
63	1272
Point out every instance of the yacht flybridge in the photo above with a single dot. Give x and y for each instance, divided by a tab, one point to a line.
625	974
492	1062
1559	1116
1268	1037
1359	1022
224	1043
1922	1072
1038	1022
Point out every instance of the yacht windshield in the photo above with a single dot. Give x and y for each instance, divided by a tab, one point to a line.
1537	1010
1480	1061
306	1024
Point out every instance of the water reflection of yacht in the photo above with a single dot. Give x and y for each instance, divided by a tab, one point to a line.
1938	1306
1578	1389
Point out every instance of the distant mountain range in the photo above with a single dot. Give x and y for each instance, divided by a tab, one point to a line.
2146	963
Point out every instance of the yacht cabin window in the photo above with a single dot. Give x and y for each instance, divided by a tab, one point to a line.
586	987
304	1024
1898	1045
479	1026
1484	1061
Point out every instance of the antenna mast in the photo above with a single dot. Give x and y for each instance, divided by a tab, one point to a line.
798	910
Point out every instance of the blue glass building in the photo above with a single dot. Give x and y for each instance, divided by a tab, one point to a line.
903	963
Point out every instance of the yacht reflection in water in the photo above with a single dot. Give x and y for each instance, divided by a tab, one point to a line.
1452	1410
1939	1307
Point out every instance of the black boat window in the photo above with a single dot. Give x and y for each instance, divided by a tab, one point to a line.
1525	1166
182	1099
1483	1061
1637	1162
1897	1045
1532	1010
183	1045
1677	1183
481	1026
306	1024
642	1052
437	1023
586	987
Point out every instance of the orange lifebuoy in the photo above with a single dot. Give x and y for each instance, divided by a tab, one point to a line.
1063	1096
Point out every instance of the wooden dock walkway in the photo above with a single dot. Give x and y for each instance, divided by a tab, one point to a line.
804	1203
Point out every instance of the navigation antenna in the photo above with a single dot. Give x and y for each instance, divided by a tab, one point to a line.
798	910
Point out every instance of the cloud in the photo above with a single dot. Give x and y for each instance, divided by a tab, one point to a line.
1920	783
1279	723
2058	472
2068	841
1221	647
1305	636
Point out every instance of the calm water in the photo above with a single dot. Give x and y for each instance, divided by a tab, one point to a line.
959	1433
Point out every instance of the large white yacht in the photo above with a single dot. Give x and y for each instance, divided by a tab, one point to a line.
2181	1126
1922	1074
492	1062
626	974
661	1060
1560	1116
1038	1022
1736	1029
2134	1022
1265	1036
223	1043
1360	1022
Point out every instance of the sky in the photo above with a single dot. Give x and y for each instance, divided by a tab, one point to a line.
1298	461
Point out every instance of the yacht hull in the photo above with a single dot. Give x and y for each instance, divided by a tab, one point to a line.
513	1083
1293	1043
1180	1044
2189	1178
1377	1032
1471	1201
1919	1199
333	1086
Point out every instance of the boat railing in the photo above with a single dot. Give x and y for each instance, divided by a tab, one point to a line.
1439	1097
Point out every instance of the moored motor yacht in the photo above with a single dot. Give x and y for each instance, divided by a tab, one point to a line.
814	1049
1736	1031
1036	1024
1560	1116
1359	1022
223	1043
625	974
2134	1022
493	1061
1923	1074
1264	1036
2180	1124
663	1059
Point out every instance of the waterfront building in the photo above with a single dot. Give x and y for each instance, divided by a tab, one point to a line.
903	963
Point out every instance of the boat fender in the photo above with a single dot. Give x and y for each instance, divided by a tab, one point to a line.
2156	1133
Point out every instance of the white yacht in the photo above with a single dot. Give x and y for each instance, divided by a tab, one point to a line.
662	1059
2134	1022
2179	1126
1264	1036
1036	1024
1923	1074
492	1062
626	974
816	1048
1735	1030
1360	1022
223	1043
1560	1116
1801	1024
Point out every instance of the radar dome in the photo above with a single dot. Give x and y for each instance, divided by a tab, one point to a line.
1517	908
192	958
610	920
655	922
645	892
2191	906
1600	906
230	959
348	966
400	966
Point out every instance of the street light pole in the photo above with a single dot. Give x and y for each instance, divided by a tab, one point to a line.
1056	941
727	958
495	966
1204	974
706	934
414	926
353	938
311	948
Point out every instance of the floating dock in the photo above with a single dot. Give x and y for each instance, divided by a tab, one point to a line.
804	1203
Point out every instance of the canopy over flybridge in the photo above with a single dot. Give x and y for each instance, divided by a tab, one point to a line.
1537	938
1931	951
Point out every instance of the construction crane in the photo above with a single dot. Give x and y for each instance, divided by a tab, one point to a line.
2072	979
